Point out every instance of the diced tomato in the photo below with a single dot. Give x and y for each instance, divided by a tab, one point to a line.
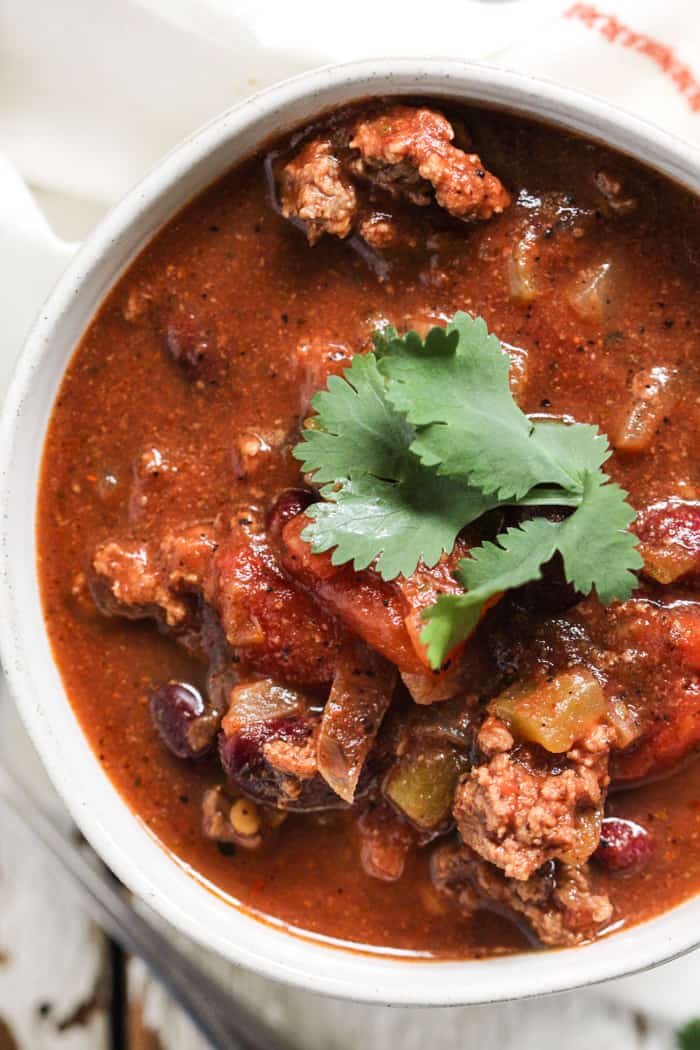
299	559
422	589
273	625
387	615
675	729
686	632
370	607
671	739
669	533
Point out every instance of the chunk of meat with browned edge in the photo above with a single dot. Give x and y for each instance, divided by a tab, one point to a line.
315	189
558	902
408	152
268	623
125	582
404	152
523	806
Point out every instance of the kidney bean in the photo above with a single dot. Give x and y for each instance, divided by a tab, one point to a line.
287	505
244	762
182	719
193	344
625	846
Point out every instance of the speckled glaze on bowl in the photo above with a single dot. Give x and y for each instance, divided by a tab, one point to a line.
107	822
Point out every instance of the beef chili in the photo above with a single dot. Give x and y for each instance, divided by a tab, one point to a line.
303	639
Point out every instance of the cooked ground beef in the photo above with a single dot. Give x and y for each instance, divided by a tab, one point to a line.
409	152
558	901
315	190
402	152
523	807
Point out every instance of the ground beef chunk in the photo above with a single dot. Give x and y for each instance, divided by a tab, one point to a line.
523	807
405	153
125	581
186	556
382	231
558	901
495	736
315	190
220	590
409	153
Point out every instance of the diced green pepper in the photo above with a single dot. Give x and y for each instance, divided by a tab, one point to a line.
553	713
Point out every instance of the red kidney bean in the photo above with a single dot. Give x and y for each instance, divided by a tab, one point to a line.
287	505
182	719
243	760
625	846
194	346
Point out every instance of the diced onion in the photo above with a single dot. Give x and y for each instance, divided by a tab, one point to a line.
261	700
519	364
359	698
654	393
521	269
591	295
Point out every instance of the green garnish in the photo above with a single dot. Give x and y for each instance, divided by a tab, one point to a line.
454	389
421	438
688	1037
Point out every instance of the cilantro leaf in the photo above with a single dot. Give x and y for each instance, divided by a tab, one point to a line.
453	387
382	505
356	430
597	548
688	1037
515	558
422	437
594	543
393	523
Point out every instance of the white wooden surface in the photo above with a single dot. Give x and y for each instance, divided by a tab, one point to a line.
54	978
55	981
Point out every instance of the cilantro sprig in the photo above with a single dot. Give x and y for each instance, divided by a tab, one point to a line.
423	437
688	1037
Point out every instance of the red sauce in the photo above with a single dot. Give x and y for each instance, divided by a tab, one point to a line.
254	290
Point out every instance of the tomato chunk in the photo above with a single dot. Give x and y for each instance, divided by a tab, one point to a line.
669	533
387	615
675	730
273	625
372	608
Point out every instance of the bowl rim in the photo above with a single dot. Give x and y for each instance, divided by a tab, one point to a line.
264	947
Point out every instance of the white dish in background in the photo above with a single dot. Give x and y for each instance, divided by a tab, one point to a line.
107	822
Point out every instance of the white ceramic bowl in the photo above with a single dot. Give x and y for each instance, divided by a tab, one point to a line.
117	835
